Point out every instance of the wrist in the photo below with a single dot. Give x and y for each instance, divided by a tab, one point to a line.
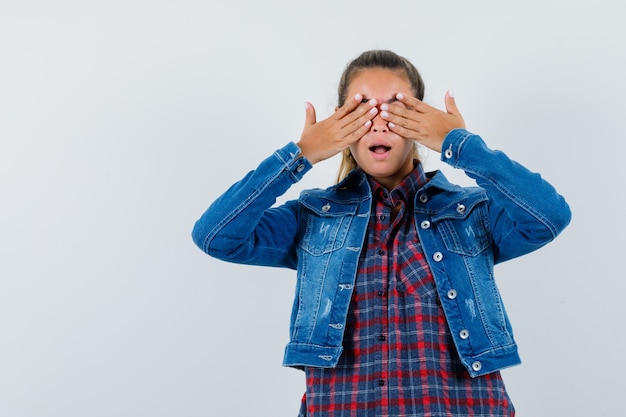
305	152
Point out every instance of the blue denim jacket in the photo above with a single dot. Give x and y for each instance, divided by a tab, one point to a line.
464	232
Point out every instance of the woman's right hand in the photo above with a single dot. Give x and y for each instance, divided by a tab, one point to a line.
349	123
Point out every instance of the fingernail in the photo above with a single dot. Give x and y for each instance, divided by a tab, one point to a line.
372	102
384	106
399	96
451	93
306	105
358	97
368	123
384	114
391	125
373	110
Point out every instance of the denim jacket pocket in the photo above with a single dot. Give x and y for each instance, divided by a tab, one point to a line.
325	224
464	227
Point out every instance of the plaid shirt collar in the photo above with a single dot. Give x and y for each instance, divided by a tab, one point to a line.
403	191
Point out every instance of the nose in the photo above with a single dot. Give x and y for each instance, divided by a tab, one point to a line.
379	125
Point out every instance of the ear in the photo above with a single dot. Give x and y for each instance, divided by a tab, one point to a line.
336	108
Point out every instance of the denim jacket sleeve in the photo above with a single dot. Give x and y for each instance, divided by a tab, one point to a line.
525	211
242	226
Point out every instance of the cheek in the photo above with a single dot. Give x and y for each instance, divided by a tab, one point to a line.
354	151
409	148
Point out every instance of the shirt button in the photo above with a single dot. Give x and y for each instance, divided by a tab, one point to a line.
381	382
382	217
381	252
381	293
425	224
477	366
452	294
438	256
464	334
382	338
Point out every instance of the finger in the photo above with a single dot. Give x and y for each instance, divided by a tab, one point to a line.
348	106
310	117
360	130
355	107
357	126
364	121
412	102
400	115
451	104
453	110
403	131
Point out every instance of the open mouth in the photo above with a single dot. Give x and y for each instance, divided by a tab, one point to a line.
380	149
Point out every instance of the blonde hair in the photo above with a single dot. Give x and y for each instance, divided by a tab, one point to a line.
375	59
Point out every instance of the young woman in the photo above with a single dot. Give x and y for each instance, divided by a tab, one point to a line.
396	310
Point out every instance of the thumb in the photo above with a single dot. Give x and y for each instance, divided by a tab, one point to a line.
451	104
310	118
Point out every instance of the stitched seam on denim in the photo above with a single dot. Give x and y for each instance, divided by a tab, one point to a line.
256	192
525	206
545	220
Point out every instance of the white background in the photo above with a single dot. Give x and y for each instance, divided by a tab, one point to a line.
120	121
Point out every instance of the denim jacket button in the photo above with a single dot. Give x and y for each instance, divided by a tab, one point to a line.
423	198
460	208
452	294
464	334
325	208
300	168
448	152
425	224
477	366
438	256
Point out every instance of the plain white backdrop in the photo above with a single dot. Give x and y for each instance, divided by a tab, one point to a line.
120	121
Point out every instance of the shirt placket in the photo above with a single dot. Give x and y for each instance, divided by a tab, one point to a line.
388	258
382	214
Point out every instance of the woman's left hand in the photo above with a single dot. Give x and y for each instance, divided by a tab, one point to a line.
413	119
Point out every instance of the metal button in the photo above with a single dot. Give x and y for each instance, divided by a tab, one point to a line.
326	208
460	208
423	198
425	224
477	366
300	168
464	334
452	294
448	152
438	256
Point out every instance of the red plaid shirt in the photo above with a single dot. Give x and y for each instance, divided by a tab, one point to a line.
399	358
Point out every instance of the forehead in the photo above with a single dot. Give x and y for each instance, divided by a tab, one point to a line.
379	83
